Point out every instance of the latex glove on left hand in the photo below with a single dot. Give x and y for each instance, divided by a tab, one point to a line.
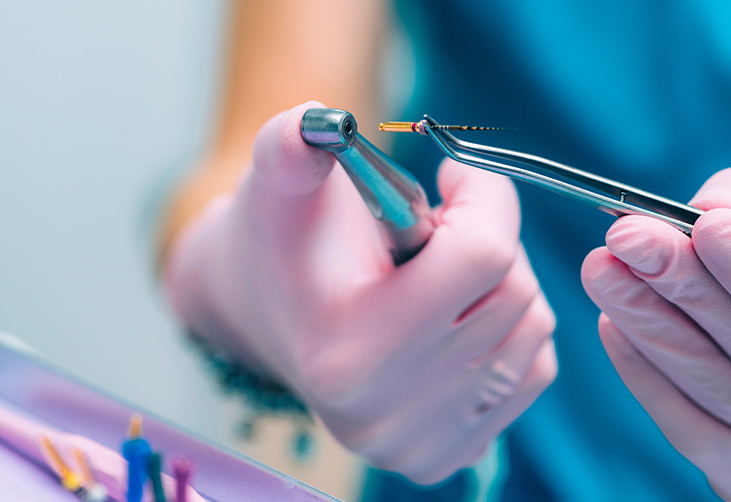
417	368
666	324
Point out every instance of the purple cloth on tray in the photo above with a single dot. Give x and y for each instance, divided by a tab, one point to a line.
22	480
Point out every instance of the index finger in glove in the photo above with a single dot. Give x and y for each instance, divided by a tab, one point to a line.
470	252
665	335
712	242
666	260
696	435
715	192
712	231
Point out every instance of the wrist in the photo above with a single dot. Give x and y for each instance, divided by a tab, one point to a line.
195	282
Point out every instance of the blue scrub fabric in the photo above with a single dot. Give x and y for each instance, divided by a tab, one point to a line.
635	91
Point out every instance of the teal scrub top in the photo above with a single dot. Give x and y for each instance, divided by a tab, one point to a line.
636	91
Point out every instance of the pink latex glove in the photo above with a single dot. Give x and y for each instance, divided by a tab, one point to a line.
289	274
666	324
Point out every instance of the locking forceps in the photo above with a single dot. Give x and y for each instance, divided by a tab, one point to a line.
599	192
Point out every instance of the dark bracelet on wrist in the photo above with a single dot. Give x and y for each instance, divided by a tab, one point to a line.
263	394
263	397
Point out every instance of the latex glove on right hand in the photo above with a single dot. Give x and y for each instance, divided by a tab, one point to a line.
666	324
417	368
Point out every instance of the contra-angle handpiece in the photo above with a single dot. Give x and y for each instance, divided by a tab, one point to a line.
392	194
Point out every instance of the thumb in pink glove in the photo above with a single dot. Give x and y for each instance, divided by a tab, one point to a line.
666	323
418	367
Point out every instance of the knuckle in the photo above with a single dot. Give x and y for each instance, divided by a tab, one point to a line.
489	253
552	373
545	323
526	288
540	320
331	373
543	371
547	369
712	231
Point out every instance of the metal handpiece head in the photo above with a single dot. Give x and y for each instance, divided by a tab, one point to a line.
329	128
394	197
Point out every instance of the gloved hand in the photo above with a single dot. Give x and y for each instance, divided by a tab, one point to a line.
417	367
666	324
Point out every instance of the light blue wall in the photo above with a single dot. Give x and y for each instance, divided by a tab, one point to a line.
99	103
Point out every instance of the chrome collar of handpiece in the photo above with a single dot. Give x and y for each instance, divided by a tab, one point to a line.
392	194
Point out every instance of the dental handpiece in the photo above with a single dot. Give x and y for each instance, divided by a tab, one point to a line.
392	194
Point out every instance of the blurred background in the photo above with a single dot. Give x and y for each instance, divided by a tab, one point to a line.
103	107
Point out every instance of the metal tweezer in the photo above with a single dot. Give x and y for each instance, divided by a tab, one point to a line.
601	193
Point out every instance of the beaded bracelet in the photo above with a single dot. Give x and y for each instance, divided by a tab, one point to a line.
264	396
